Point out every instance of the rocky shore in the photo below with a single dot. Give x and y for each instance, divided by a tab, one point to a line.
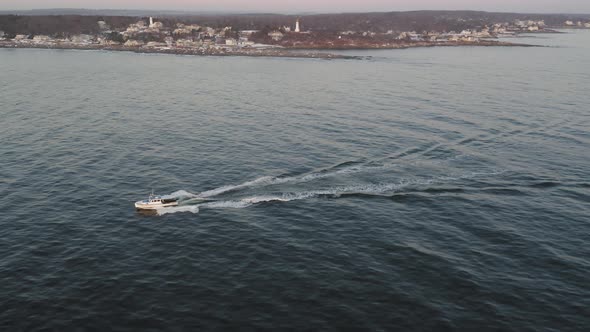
252	52
314	51
406	45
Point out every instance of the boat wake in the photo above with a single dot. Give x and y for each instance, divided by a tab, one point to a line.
338	170
272	180
379	189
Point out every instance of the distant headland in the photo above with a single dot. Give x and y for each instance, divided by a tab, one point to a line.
276	35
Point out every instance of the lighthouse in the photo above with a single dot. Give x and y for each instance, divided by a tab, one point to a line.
297	26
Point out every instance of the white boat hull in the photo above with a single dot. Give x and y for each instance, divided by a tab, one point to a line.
148	206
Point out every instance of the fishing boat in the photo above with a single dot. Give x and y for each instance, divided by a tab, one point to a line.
155	202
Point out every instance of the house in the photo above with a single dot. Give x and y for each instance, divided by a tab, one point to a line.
156	25
102	25
181	31
169	41
569	23
409	36
453	37
246	43
154	44
500	30
82	39
520	24
231	42
188	43
485	33
185	29
276	35
133	43
468	39
42	39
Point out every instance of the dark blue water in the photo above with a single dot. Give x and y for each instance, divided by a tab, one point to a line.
424	189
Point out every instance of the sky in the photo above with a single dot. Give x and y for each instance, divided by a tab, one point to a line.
333	6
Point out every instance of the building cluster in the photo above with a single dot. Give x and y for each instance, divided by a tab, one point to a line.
156	35
468	35
528	25
452	36
149	35
578	24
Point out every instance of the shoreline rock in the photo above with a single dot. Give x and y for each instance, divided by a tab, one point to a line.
276	53
315	51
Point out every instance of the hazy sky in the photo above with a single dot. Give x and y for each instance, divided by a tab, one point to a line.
569	6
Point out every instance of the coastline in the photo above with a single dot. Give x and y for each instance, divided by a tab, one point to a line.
396	46
275	52
319	51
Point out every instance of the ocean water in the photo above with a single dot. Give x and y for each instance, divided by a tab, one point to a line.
421	189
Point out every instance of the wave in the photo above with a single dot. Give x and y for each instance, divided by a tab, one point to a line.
334	192
180	194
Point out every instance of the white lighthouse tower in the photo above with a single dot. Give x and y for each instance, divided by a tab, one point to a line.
297	26
151	22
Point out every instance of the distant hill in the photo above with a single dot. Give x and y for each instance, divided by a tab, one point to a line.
110	12
381	22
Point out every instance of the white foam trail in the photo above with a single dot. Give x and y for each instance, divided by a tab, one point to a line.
271	180
265	180
226	205
375	189
179	194
186	208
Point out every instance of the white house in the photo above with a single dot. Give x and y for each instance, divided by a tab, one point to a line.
275	35
82	39
133	43
41	38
